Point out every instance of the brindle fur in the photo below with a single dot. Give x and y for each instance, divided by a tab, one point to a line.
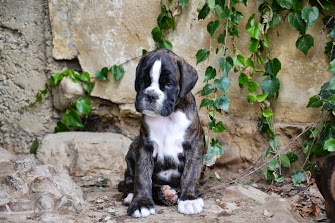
325	179
139	178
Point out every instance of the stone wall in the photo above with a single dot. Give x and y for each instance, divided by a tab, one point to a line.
40	37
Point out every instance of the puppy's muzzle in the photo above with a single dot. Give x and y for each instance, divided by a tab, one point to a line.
151	97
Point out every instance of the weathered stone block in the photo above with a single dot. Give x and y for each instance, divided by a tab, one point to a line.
85	153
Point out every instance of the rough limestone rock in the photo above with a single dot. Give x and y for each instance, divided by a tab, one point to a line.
85	153
66	94
34	187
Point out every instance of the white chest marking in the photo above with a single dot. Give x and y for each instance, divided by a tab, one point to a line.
167	134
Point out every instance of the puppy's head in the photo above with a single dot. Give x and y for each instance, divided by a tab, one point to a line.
162	78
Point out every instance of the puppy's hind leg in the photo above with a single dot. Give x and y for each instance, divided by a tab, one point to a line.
165	195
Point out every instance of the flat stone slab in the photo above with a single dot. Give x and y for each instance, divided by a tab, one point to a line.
85	153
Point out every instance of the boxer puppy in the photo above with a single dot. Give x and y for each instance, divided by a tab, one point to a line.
324	175
164	162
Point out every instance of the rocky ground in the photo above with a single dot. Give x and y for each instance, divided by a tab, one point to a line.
35	191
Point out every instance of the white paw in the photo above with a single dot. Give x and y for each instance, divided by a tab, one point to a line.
144	212
191	206
128	199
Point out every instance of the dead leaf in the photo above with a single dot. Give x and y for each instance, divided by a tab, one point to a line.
316	209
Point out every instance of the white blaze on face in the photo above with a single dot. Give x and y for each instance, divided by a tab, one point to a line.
155	74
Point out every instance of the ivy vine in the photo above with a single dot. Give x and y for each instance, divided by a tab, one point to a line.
258	62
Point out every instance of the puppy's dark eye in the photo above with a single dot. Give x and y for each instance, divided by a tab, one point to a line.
168	84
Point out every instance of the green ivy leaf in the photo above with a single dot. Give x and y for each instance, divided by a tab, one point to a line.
251	21
259	59
297	23
202	55
102	74
276	19
271	87
314	102
255	31
233	30
331	33
226	64
218	10
329	145
88	87
240	61
117	72
285	161
74	76
304	43
211	4
215	150
206	90
293	157
183	3
157	34
280	179
222	83
212	27
71	118
251	98
253	45
272	67
331	100
236	17
210	73
243	80
310	15
206	102
61	127
284	3
273	165
261	97
222	103
38	97
204	12
250	63
252	86
170	22
218	128
221	38
269	175
34	147
56	78
332	68
225	13
244	2
267	113
83	106
298	177
85	77
164	44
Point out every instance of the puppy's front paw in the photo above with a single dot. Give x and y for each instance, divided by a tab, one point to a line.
141	207
191	206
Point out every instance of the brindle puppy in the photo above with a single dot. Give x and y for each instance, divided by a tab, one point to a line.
164	162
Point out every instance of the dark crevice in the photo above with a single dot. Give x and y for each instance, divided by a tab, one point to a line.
72	64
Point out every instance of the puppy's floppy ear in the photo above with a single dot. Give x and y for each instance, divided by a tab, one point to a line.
188	77
138	73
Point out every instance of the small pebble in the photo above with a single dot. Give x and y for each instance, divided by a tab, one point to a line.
86	178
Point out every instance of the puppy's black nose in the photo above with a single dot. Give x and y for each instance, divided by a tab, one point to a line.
151	97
